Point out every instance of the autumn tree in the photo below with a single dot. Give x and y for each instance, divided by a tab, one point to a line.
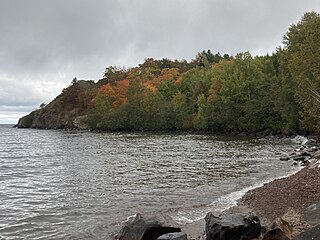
113	74
302	43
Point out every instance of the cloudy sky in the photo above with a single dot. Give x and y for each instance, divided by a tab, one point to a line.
45	43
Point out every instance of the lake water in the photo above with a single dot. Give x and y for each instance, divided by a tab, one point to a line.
58	184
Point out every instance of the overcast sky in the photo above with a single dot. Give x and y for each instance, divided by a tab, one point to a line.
45	43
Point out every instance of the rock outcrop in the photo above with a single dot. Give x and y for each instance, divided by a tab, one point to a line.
303	155
65	111
232	227
142	227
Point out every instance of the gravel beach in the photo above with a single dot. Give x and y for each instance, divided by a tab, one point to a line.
295	192
286	197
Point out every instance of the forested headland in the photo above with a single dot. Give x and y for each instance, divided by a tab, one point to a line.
277	93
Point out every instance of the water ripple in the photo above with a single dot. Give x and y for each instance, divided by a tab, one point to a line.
81	185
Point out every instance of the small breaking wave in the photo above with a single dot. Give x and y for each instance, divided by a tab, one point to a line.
222	203
300	139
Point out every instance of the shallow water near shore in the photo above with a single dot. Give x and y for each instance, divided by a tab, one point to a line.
80	185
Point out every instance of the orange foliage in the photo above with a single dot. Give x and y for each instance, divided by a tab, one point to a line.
150	85
121	90
167	74
116	93
178	81
106	90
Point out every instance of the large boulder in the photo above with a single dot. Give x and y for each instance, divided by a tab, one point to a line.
143	227
231	226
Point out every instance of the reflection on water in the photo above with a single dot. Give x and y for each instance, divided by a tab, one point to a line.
79	185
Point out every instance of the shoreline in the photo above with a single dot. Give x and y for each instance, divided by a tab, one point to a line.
287	197
195	229
257	201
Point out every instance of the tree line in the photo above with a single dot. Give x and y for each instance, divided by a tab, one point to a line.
277	93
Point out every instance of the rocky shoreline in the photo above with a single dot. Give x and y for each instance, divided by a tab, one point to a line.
285	208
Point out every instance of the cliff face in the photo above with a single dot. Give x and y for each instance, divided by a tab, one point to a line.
65	111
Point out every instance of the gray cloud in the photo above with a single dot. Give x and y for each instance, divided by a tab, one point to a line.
44	44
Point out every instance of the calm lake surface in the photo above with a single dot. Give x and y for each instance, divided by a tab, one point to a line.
58	184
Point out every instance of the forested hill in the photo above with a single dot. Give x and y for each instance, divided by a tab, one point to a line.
278	93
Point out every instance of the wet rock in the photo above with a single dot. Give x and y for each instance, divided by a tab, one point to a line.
284	158
299	158
306	154
147	227
173	236
280	230
232	227
305	162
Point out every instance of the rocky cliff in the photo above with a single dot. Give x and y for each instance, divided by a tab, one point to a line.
65	111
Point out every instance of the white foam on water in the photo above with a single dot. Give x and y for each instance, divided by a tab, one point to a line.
129	218
300	139
222	203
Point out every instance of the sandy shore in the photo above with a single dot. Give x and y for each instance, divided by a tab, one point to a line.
286	197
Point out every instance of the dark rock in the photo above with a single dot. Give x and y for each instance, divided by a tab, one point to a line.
306	154
154	232
280	230
232	227
305	162
299	158
284	158
173	236
147	227
310	234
